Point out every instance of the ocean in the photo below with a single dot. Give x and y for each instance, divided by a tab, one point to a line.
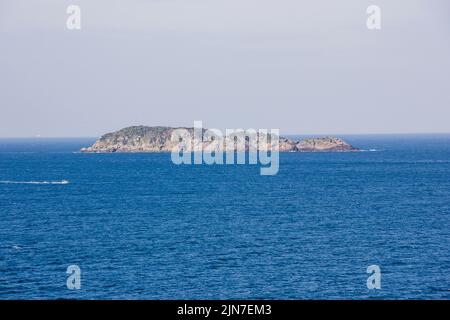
140	227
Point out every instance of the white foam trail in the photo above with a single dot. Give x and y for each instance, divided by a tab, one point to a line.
35	182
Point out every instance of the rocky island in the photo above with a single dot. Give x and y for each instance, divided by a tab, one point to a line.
158	139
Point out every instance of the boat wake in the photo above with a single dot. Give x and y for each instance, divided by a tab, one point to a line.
35	182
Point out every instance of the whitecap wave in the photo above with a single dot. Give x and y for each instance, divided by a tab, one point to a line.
35	182
370	150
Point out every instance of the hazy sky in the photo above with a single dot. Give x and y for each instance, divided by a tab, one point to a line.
304	67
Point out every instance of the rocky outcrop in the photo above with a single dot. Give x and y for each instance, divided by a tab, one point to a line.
135	139
159	139
326	144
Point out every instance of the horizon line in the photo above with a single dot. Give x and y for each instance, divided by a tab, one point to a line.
281	134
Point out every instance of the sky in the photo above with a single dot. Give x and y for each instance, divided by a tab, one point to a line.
303	67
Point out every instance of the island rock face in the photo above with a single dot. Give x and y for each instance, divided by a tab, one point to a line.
159	139
326	144
135	139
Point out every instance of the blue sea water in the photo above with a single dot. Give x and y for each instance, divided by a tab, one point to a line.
140	227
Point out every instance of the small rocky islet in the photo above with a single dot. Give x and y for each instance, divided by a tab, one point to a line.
159	139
